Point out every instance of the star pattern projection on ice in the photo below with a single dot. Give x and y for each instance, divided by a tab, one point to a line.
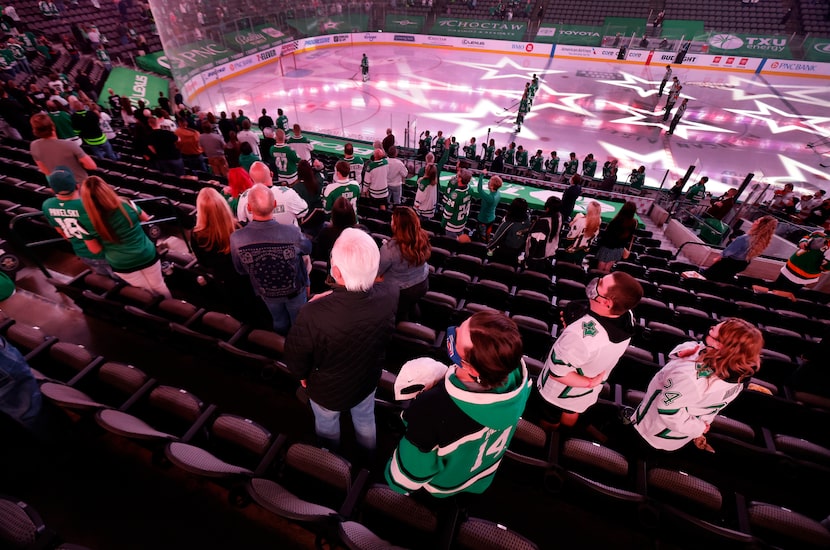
627	157
495	71
643	86
741	89
645	117
813	125
798	172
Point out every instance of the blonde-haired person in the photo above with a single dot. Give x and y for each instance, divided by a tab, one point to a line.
211	238
700	379
740	252
582	232
403	259
115	223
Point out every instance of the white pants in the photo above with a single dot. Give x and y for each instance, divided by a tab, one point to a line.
149	278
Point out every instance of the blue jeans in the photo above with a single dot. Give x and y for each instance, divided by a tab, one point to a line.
395	194
19	393
285	310
104	151
327	423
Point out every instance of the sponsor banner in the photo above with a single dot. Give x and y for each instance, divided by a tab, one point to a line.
289	47
637	55
404	38
479	28
190	59
736	62
748	45
311	43
567	50
796	67
404	23
257	38
135	85
817	49
150	62
312	26
580	35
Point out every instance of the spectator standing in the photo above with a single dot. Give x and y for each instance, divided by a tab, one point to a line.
49	152
596	334
581	234
115	224
270	253
805	266
388	141
396	176
214	148
189	145
245	135
164	145
403	260
457	200
426	197
736	257
700	379
570	196
265	121
341	186
285	159
509	240
289	207
458	429
617	236
300	144
65	211
87	125
490	199
337	346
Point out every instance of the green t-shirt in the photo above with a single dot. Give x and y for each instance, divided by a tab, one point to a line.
489	153
509	156
70	217
63	124
521	158
537	163
456	207
134	250
6	286
638	180
470	151
282	122
245	161
453	148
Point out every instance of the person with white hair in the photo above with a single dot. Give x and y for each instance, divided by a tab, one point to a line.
271	254
337	346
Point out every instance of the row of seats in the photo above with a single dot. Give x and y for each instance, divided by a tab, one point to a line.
298	482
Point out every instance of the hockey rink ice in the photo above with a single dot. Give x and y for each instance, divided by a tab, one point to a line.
775	127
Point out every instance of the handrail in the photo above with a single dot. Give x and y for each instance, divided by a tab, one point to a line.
30	246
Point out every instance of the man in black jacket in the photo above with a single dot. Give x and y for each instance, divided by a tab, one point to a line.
570	196
336	346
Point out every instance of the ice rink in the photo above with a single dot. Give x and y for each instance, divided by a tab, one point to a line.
735	122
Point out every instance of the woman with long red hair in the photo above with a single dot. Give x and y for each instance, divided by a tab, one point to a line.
403	259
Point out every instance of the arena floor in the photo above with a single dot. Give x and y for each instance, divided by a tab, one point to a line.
735	123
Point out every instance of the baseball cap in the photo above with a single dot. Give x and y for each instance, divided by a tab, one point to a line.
418	375
62	180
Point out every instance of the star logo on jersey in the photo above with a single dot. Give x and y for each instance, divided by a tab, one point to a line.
670	397
495	71
589	328
799	123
